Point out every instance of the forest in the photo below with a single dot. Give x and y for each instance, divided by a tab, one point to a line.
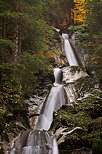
27	41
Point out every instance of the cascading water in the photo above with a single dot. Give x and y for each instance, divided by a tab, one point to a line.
69	51
35	142
56	98
40	140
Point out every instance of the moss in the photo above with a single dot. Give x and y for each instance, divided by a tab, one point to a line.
12	110
77	68
97	145
86	114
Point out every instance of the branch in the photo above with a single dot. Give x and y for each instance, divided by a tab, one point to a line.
61	130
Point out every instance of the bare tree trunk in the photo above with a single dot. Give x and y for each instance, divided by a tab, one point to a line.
72	17
19	45
16	42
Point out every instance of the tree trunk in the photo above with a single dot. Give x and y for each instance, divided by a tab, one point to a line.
16	42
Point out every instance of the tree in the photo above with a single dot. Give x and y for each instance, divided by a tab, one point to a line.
67	7
94	22
79	11
93	15
24	32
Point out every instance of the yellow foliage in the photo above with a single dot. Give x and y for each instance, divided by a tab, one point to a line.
95	36
96	59
79	11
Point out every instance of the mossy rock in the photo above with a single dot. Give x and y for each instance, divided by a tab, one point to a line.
85	85
86	114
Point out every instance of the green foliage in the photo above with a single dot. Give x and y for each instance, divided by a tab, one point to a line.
35	68
24	33
19	80
77	28
7	43
81	32
11	105
90	41
85	85
97	145
93	43
93	15
86	114
6	48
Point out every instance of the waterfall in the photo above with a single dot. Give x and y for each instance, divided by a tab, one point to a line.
69	51
40	140
53	102
35	142
55	99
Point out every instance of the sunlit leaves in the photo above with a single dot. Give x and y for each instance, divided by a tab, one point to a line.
79	11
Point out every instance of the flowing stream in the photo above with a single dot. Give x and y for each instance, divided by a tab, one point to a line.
40	140
69	51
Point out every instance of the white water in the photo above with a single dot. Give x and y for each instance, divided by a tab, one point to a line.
35	142
69	51
55	99
12	151
55	147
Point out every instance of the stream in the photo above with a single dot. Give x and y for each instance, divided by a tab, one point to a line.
40	140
